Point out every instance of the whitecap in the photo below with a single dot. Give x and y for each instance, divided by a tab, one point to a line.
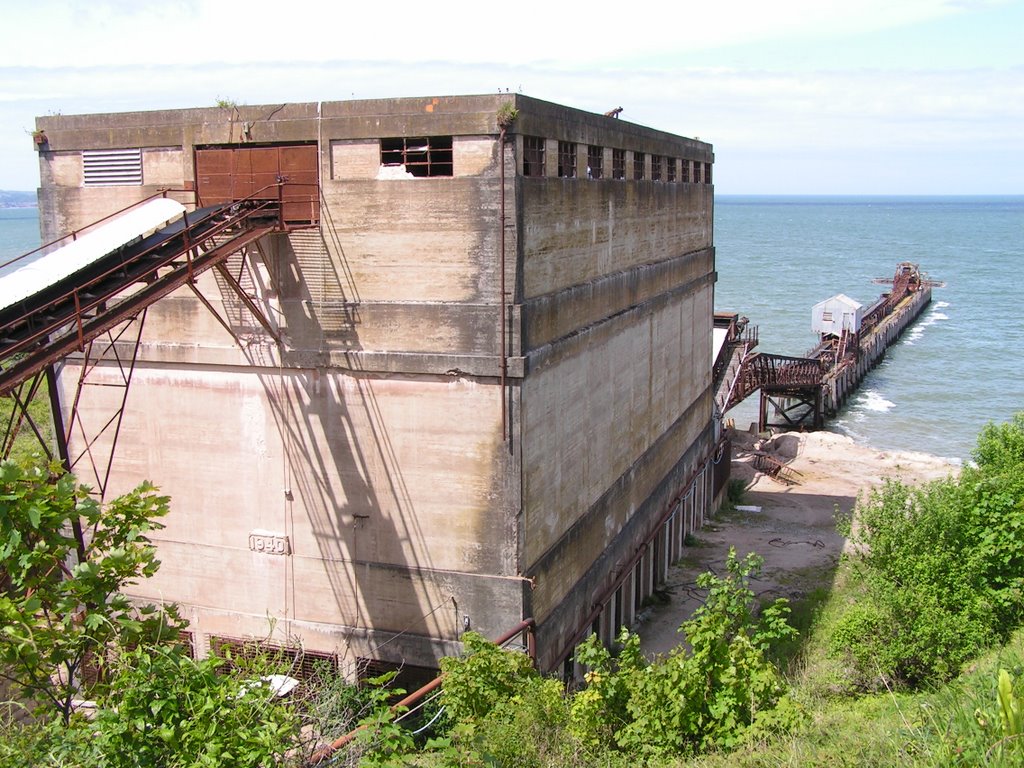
870	400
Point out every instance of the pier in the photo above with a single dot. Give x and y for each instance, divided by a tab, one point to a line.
802	392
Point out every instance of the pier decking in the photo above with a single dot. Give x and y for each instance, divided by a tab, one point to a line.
801	392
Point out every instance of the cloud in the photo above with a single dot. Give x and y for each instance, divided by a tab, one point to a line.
56	33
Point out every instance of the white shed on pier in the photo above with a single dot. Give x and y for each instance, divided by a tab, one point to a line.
835	315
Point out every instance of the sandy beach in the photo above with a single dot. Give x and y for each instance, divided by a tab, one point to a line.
791	525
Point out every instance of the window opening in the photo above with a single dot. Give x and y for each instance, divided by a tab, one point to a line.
595	162
112	167
567	160
533	156
707	173
685	171
655	167
670	170
638	165
696	171
618	164
421	156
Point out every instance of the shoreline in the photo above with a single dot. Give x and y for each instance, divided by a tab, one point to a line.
791	526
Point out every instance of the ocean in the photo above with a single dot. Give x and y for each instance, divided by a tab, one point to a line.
957	368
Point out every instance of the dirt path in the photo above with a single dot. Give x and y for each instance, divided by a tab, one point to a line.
794	527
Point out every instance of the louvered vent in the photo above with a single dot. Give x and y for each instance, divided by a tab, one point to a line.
112	167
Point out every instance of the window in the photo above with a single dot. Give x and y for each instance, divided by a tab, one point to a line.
638	165
595	162
533	156
566	160
112	167
655	167
670	168
618	163
421	156
696	171
707	173
684	168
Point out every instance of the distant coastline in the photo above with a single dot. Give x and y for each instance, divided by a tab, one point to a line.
16	199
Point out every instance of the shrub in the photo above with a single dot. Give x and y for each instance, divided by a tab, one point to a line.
705	696
941	567
166	709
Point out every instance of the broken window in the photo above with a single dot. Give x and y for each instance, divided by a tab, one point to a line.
567	160
421	155
595	162
696	171
707	173
685	171
638	165
618	163
112	167
655	167
670	169
533	156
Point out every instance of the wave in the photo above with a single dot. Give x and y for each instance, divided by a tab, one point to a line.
934	316
872	400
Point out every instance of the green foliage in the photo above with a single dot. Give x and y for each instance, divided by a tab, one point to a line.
26	444
941	567
529	729
57	610
1000	447
600	709
735	491
164	709
483	678
47	744
1011	706
501	712
507	114
706	695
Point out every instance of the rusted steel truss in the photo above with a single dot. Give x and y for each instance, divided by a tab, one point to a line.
100	321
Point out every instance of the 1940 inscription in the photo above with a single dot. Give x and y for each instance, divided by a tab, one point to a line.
269	543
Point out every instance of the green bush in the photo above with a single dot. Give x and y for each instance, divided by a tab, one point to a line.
501	712
165	709
941	568
706	694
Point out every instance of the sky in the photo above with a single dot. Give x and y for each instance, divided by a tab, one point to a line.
797	96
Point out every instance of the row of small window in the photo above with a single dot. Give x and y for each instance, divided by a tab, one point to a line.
663	168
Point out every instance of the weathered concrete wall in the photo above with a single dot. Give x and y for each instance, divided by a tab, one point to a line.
617	287
384	488
575	231
372	437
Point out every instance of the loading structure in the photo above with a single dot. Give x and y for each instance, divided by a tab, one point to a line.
802	392
87	293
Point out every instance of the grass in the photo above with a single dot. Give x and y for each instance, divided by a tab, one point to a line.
26	444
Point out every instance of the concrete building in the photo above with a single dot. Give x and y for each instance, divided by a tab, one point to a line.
491	399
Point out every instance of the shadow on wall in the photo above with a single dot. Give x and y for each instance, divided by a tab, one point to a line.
342	469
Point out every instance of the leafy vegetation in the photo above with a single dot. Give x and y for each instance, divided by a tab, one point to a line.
939	570
61	601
